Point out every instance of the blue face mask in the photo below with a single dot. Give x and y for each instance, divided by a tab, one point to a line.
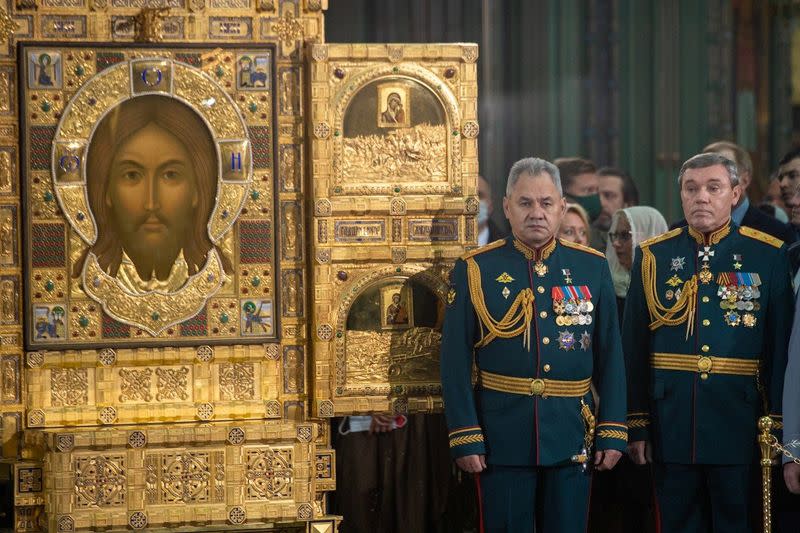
483	212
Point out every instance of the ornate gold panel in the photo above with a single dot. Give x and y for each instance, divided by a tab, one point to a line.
108	387
211	475
394	165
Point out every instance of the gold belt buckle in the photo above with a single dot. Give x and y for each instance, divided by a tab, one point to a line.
704	364
537	387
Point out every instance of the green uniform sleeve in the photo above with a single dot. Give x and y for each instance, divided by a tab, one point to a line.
458	334
778	326
611	432
636	346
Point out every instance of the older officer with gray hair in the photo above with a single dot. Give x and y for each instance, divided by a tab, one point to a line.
708	313
538	317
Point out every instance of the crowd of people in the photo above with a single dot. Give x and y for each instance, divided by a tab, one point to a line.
687	337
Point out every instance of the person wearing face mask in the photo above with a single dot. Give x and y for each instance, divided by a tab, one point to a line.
582	187
488	231
622	498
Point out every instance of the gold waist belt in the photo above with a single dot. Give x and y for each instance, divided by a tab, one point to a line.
704	364
534	387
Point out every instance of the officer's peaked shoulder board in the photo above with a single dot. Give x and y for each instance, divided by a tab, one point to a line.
482	249
663	237
760	236
582	248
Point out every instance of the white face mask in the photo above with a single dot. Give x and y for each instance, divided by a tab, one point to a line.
483	212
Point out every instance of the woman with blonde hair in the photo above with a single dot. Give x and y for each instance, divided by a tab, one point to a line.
575	225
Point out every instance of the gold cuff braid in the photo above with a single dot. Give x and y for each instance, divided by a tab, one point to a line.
517	319
684	308
467	439
612	434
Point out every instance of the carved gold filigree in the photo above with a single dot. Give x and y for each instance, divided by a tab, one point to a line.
148	25
7	26
9	379
202	93
135	385
230	200
186	476
237	381
288	28
100	481
272	409
237	515
269	473
172	383
470	129
137	520
319	52
154	311
107	415
103	92
69	386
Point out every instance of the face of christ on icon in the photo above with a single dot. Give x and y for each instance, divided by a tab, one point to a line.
152	177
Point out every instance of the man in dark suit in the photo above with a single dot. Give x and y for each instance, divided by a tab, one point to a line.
744	213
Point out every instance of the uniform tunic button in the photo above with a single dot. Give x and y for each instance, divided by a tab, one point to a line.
540	289
543	314
546	340
705	299
703	376
705	348
547	368
706	322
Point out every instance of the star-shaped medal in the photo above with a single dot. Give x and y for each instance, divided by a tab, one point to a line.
586	340
566	340
677	263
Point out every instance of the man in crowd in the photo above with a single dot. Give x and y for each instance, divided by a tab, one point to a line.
487	229
744	213
617	191
707	315
789	179
581	186
538	317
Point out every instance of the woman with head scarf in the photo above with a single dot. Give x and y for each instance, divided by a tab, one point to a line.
629	227
622	499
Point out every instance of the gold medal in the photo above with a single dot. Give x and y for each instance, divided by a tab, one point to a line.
705	276
540	269
559	320
749	320
589	306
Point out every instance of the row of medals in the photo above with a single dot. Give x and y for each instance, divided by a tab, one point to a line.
573	312
739	298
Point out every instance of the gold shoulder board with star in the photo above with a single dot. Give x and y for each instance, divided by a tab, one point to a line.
490	246
582	248
761	236
662	237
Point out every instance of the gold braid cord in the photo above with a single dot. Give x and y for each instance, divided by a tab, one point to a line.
684	308
590	423
517	319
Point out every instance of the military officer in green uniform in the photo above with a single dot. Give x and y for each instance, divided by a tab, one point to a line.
705	334
538	318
